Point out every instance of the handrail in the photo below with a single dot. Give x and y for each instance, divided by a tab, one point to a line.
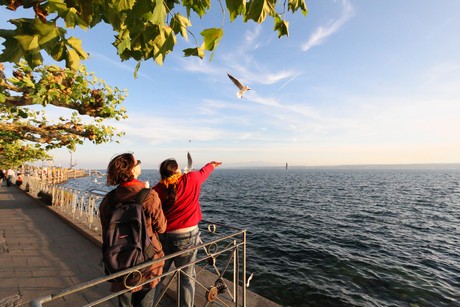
230	243
222	242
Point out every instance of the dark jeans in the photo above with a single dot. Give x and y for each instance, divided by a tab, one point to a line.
143	298
176	242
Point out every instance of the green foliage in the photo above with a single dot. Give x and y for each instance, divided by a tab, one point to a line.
17	153
145	29
281	26
29	92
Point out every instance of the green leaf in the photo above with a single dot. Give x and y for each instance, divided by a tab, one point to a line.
259	9
34	58
72	59
57	6
199	6
22	113
72	19
28	82
2	98
75	44
48	32
294	5
212	37
122	45
27	42
281	26
235	8
179	24
11	52
123	5
167	46
199	52
58	51
138	66
159	13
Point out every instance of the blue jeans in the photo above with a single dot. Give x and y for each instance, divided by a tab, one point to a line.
142	298
176	242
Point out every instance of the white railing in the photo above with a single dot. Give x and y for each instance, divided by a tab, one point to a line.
81	206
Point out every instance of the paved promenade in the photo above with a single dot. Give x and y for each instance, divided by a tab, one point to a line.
40	254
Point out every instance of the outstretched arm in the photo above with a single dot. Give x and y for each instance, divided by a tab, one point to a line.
216	164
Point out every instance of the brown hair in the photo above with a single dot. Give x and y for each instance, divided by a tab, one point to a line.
120	169
167	168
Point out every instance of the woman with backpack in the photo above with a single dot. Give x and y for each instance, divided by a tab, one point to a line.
179	194
123	171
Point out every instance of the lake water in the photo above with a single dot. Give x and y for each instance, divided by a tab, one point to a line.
341	237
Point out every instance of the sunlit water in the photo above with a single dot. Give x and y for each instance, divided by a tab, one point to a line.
341	237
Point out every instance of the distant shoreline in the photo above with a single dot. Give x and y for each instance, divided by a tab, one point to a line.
434	166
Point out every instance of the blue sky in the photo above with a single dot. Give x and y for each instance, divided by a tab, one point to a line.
356	82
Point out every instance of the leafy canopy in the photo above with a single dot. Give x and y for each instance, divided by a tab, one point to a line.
82	102
17	153
145	29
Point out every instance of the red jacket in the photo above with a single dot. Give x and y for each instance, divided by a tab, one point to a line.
186	211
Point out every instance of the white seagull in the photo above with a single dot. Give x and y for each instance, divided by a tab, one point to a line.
189	167
242	88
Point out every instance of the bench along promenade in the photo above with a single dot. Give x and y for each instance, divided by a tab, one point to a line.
50	253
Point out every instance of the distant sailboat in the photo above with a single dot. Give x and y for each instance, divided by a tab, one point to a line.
286	165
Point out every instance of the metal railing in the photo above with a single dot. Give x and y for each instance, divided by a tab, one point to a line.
220	262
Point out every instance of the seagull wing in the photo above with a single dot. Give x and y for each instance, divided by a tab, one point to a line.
249	280
235	81
189	161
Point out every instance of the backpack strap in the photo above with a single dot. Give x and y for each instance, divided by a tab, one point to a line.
142	195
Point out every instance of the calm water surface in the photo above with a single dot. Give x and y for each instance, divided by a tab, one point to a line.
342	237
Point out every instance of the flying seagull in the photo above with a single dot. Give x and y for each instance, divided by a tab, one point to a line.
189	167
241	87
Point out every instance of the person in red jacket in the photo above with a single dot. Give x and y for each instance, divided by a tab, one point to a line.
179	194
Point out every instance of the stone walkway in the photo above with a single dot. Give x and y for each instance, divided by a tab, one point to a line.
40	254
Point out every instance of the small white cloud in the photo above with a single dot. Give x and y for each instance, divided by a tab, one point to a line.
320	35
251	35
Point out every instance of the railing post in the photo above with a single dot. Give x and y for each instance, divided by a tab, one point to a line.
236	270
244	268
91	210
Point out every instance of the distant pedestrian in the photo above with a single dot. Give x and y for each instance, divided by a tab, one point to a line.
19	180
123	171
179	195
2	176
10	175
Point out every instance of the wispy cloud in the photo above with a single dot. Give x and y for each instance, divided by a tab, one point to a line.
441	72
251	35
119	65
198	65
322	33
290	80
